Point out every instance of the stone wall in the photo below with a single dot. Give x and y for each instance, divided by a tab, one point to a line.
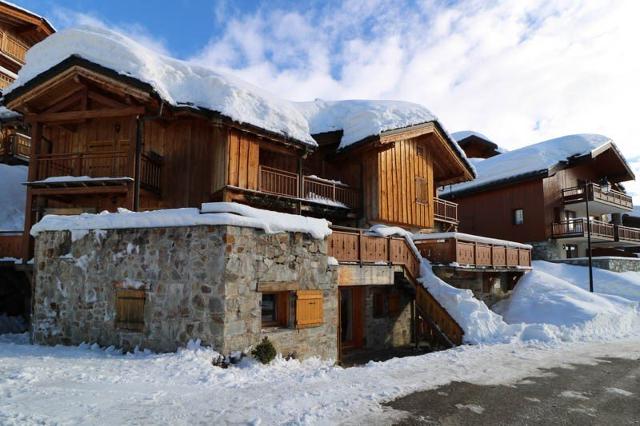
389	330
201	283
547	250
615	264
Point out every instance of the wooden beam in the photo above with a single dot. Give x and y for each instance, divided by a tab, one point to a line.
49	117
81	190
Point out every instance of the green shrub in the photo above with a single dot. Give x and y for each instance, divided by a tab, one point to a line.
264	351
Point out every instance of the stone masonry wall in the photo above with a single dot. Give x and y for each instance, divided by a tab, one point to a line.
201	282
388	331
615	264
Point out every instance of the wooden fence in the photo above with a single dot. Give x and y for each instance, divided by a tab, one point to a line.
451	251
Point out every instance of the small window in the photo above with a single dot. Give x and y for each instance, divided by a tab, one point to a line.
386	303
422	191
572	250
130	309
275	309
518	216
420	150
379	310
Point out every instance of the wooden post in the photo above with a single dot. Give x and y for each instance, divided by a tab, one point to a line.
137	164
36	138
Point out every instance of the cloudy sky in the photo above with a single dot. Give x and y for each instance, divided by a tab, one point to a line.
520	71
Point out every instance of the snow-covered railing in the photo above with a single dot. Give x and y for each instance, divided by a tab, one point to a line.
281	182
626	233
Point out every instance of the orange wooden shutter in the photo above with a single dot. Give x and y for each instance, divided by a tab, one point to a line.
309	312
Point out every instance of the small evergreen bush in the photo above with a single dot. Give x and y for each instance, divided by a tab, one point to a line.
264	351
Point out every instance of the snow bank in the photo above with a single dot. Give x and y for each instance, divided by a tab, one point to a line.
179	83
211	214
623	284
533	158
12	197
70	179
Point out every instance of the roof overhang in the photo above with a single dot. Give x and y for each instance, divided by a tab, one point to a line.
75	65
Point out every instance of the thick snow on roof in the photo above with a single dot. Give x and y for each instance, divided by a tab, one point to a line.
15	6
530	159
361	118
180	82
7	114
12	197
463	134
231	214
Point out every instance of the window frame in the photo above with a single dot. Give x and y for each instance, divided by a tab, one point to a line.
515	216
281	309
422	184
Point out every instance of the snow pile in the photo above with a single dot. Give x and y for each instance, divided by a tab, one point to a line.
533	158
183	83
12	197
71	179
9	324
361	118
211	214
623	284
569	312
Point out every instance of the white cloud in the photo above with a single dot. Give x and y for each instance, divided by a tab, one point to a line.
519	72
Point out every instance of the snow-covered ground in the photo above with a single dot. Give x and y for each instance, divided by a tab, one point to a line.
86	385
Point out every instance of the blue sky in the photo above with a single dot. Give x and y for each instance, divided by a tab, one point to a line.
518	71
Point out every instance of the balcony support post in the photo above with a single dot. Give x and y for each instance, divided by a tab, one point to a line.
137	164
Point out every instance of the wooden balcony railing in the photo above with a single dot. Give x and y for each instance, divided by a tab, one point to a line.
595	193
104	164
13	47
349	245
284	183
445	211
628	234
5	80
16	145
578	228
458	251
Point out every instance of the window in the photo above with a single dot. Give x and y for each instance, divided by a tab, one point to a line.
422	190
130	309
379	310
420	150
572	250
518	216
275	309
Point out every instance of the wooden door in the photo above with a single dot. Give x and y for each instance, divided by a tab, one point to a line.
351	329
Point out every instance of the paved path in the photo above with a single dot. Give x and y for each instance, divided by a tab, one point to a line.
604	394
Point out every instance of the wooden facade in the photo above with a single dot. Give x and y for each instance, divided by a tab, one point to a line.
553	205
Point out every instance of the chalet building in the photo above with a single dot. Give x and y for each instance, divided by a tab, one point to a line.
476	145
544	194
108	130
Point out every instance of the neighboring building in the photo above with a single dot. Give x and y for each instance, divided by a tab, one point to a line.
476	145
114	125
538	195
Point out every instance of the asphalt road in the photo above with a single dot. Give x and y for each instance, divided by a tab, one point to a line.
604	394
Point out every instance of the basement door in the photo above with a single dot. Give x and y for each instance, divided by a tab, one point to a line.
351	329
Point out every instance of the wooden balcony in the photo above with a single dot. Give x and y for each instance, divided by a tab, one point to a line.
350	245
309	188
576	230
445	211
12	47
600	202
16	146
627	236
457	251
114	164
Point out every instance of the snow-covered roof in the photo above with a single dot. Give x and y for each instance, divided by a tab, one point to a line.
179	82
12	197
532	159
29	12
231	214
463	134
7	114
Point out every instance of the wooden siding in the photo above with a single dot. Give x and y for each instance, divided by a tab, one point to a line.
398	168
490	213
244	158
